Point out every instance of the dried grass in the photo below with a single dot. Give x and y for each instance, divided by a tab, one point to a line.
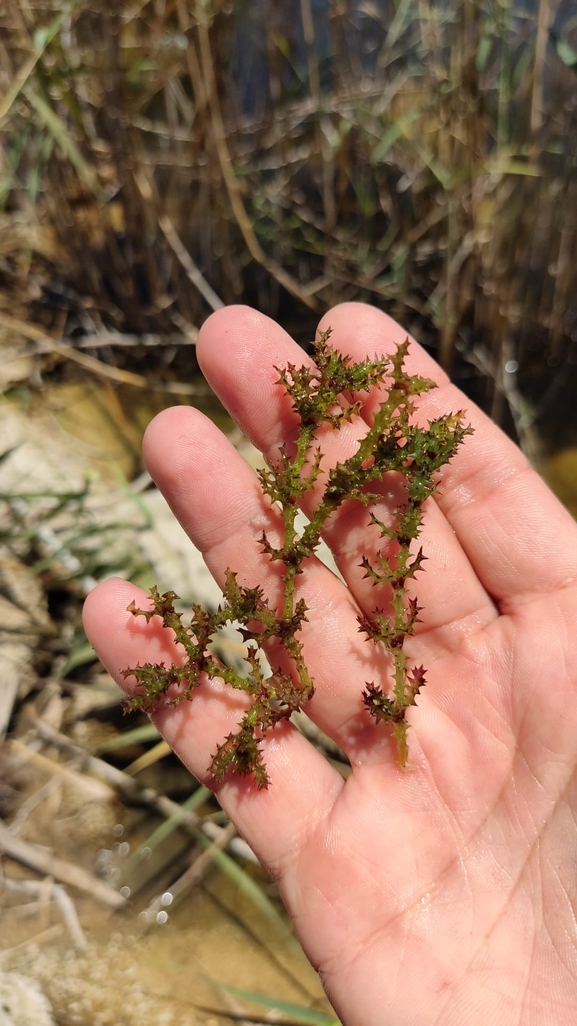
161	159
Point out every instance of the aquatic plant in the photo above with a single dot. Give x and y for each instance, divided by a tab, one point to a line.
325	395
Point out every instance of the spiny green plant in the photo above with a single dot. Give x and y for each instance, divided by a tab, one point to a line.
325	395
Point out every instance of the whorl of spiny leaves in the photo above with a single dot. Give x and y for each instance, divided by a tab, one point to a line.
325	394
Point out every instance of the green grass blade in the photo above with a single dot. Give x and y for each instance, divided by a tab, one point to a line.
252	891
139	735
296	1012
81	655
43	38
63	138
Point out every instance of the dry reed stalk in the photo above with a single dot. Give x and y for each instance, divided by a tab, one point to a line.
192	876
68	873
131	790
43	937
544	19
90	363
60	896
234	195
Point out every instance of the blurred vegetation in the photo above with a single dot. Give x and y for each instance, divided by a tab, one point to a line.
162	157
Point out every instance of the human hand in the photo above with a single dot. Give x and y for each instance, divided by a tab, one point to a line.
444	893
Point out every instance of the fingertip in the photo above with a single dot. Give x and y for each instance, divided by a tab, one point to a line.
228	323
166	431
108	601
361	330
118	637
239	350
363	319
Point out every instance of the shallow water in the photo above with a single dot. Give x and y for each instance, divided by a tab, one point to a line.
135	968
131	971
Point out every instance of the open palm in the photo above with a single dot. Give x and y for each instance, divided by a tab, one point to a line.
444	893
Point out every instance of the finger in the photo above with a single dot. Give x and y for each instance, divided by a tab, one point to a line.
218	500
238	349
301	779
508	522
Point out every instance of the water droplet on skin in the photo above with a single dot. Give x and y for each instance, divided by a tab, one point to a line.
167	899
161	918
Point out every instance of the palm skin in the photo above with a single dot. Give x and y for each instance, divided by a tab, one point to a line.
444	893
